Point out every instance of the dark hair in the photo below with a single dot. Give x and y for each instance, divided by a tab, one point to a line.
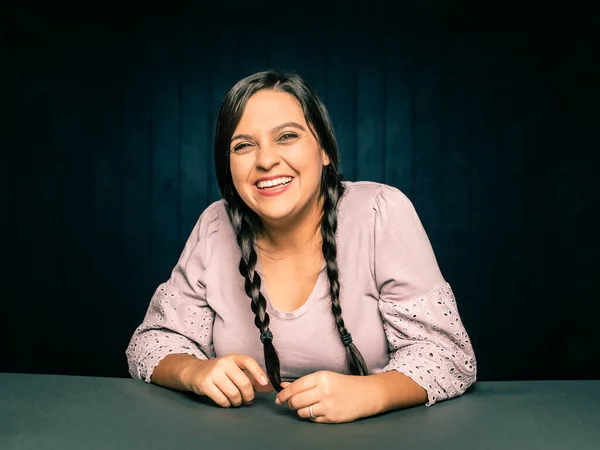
246	222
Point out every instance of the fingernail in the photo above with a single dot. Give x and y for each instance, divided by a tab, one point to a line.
264	380
277	402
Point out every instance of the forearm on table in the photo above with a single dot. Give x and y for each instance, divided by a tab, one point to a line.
394	390
172	369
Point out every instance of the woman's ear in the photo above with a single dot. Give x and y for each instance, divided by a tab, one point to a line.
324	158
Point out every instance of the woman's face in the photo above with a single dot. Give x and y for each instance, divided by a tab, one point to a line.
273	139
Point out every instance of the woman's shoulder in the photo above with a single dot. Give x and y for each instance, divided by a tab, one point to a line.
210	220
213	212
215	209
370	195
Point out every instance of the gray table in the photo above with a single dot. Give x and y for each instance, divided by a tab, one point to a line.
64	412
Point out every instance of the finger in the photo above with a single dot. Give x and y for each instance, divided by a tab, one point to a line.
256	385
215	394
304	399
301	384
250	364
317	411
285	384
263	389
242	382
228	388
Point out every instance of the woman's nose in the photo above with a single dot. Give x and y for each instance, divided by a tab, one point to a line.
267	156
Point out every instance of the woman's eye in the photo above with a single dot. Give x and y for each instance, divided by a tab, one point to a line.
287	136
239	147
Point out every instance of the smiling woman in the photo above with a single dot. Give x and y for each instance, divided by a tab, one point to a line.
315	258
269	158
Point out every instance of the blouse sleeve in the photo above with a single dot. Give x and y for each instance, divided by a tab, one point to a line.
426	337
178	319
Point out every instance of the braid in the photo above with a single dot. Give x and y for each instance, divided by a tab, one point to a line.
245	239
244	230
332	193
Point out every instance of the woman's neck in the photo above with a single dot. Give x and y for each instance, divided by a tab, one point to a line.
300	236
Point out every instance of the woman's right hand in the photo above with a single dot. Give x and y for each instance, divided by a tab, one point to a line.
229	380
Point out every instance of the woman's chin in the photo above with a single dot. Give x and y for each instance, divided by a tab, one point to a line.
276	216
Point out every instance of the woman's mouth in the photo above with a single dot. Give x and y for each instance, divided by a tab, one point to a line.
273	187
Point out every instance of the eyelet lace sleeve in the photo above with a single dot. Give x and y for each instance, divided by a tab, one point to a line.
178	319
426	337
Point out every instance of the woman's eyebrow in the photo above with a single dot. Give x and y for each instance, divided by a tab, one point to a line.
273	130
285	125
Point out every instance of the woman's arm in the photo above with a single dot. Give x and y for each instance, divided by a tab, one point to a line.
178	319
427	340
173	370
394	390
336	398
431	357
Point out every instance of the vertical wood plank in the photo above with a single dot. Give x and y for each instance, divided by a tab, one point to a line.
62	230
483	231
371	107
253	52
196	136
453	256
510	63
398	156
341	99
283	50
72	132
165	152
510	75
104	131
137	169
312	60
78	188
224	74
428	157
483	150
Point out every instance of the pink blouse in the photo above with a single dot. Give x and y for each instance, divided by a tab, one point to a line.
401	312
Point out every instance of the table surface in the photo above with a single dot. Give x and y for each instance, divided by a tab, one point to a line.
68	412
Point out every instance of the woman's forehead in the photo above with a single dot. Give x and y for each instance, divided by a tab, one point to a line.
266	109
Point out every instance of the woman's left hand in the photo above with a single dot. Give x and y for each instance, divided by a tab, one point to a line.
335	398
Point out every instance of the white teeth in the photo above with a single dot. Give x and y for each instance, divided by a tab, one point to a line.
275	182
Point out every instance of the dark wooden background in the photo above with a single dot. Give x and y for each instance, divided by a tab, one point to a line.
486	117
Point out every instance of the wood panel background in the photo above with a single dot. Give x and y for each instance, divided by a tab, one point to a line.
490	127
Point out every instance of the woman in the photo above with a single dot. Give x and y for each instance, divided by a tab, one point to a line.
352	316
